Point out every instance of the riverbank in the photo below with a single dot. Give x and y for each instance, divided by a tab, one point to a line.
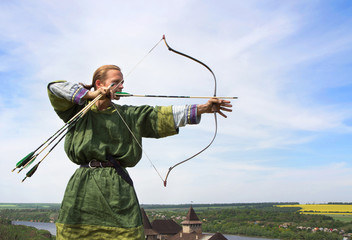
22	232
52	229
39	225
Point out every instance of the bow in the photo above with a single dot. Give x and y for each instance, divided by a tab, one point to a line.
30	158
215	118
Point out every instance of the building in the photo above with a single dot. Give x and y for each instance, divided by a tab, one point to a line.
192	223
169	230
166	228
149	233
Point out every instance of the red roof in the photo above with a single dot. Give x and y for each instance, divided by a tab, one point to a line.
166	226
191	218
148	231
191	215
146	222
218	236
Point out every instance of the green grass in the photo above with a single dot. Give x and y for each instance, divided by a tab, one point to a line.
7	206
29	205
342	218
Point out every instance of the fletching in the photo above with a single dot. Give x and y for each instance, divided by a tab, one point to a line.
28	163
24	161
31	172
31	161
122	93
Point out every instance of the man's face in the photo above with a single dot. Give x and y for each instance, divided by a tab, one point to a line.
114	77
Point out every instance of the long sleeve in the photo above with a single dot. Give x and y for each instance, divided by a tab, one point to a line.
186	114
66	98
72	92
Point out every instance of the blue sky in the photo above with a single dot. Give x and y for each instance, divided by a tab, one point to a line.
289	62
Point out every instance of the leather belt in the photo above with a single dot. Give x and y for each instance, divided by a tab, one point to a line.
96	164
112	162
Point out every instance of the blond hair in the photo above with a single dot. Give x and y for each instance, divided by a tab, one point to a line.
100	74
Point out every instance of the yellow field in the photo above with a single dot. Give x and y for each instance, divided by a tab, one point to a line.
322	208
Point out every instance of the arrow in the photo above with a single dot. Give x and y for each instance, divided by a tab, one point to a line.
125	94
29	158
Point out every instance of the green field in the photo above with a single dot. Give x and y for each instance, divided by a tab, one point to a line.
29	205
8	206
249	219
342	218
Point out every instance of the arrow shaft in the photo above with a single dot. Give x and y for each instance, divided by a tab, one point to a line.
170	96
29	159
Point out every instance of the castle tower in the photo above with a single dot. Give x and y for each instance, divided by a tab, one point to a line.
192	222
149	233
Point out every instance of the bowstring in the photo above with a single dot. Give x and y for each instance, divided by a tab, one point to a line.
139	144
135	138
123	120
215	117
142	59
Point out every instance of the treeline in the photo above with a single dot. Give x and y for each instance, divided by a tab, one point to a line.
267	218
340	203
18	232
270	222
216	205
37	215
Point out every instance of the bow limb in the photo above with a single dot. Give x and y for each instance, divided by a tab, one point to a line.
194	59
215	118
211	142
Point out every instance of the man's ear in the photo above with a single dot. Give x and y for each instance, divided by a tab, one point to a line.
98	84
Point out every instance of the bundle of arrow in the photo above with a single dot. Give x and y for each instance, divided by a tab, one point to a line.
31	157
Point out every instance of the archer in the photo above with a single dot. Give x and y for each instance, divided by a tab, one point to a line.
100	200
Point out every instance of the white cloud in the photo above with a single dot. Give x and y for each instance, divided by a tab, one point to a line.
256	51
244	182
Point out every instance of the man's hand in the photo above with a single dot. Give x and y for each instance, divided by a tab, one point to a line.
93	94
215	105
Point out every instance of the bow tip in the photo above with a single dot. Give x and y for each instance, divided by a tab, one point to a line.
164	36
165	183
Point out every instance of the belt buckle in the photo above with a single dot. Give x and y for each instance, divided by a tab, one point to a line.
89	164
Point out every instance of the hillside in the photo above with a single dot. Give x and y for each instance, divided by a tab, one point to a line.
17	232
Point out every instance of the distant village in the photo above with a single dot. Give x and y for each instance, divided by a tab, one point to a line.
168	229
191	229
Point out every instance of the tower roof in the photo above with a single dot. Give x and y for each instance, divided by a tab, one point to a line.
148	230
146	222
218	236
191	215
191	218
166	226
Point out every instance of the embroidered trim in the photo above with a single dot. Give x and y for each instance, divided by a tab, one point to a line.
78	94
192	114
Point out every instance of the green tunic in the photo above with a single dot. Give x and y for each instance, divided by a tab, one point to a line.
98	203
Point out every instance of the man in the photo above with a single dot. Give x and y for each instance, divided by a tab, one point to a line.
100	201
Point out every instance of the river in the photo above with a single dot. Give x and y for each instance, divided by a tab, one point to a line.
52	229
39	225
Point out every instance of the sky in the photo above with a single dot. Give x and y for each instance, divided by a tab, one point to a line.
289	63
